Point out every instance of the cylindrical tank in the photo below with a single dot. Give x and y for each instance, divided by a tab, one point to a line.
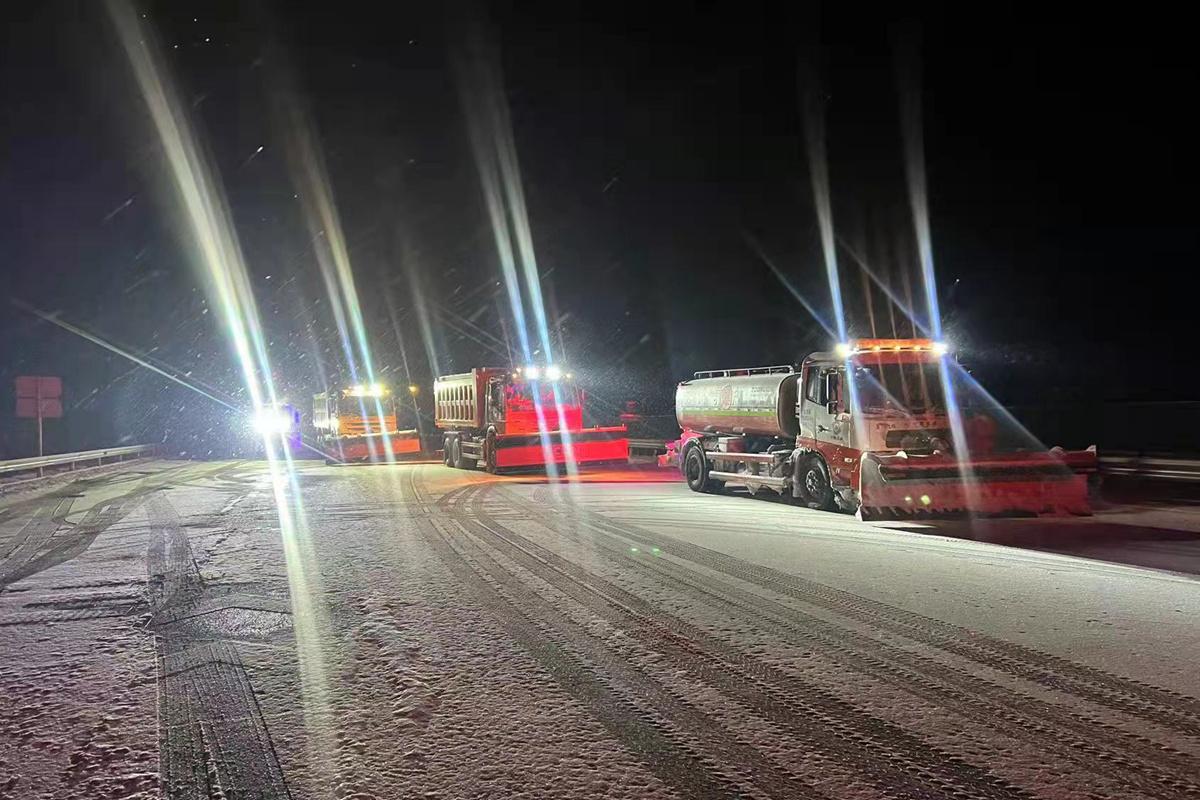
759	405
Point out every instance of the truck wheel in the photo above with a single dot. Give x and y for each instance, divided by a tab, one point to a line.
447	452
695	469
818	492
456	459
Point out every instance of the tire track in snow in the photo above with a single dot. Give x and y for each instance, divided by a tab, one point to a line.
553	641
1096	746
1154	704
63	543
169	562
213	739
900	764
29	541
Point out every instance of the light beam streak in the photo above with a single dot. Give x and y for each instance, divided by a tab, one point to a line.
787	284
914	170
818	167
886	289
201	199
333	258
54	319
814	130
490	129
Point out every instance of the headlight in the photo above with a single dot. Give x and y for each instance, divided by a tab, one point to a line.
367	390
272	422
532	373
940	348
553	372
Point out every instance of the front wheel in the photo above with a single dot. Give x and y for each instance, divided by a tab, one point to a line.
818	493
695	470
489	453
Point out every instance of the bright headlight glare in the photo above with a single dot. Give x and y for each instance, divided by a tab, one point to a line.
940	348
367	390
553	372
272	422
532	373
843	350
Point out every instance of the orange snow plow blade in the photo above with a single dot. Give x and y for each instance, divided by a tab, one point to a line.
377	447
587	446
1015	484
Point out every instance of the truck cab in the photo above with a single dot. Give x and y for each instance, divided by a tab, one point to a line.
871	396
358	423
513	402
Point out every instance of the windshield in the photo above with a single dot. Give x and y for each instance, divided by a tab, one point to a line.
521	395
905	388
371	406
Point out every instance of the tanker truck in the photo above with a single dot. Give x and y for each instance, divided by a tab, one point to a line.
865	428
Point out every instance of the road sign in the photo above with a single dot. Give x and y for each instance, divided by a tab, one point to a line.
27	408
39	397
39	387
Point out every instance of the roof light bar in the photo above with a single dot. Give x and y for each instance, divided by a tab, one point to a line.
847	349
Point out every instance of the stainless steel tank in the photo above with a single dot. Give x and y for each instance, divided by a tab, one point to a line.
756	404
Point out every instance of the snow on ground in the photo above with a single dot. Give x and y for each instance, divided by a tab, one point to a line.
422	631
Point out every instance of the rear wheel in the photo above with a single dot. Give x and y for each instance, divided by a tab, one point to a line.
818	492
456	459
447	451
695	470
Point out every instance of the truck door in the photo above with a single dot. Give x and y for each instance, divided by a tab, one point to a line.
810	397
495	404
829	424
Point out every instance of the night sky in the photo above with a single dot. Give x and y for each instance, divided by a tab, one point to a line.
660	146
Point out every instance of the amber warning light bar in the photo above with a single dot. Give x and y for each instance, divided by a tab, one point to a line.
847	349
367	390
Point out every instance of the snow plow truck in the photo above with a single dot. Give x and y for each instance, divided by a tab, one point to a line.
865	429
358	424
524	418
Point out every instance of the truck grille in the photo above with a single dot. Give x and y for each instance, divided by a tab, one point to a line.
915	440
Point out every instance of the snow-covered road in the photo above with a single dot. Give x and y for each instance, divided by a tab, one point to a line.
422	631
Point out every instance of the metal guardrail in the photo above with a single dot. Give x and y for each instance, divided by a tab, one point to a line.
39	463
1136	466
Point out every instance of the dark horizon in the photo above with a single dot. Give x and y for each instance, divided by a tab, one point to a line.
657	152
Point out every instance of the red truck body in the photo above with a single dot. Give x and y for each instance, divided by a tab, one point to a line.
501	419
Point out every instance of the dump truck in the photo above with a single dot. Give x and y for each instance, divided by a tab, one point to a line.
358	424
866	428
523	418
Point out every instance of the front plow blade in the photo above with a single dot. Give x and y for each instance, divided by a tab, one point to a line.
587	446
377	448
1010	485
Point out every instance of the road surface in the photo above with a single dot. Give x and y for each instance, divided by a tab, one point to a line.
418	631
